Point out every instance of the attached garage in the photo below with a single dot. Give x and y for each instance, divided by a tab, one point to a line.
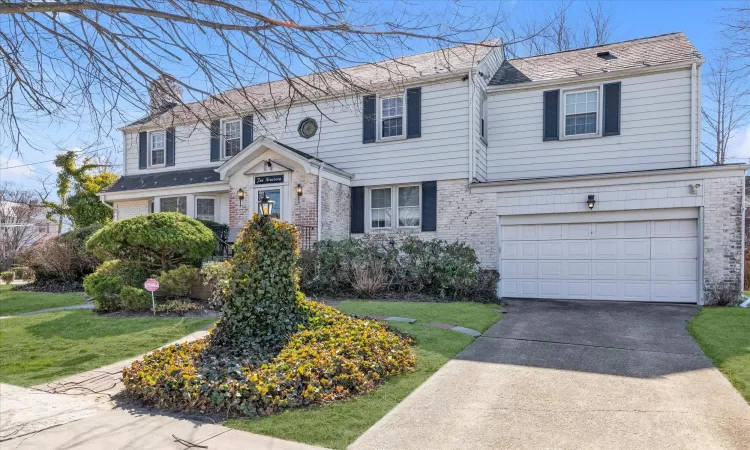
616	256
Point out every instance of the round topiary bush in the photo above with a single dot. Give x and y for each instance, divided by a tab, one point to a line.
158	242
262	305
334	356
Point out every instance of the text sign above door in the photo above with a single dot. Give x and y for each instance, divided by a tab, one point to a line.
269	179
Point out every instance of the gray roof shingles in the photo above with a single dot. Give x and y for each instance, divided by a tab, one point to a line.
164	179
636	53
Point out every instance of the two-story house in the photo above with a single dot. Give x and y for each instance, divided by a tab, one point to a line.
576	174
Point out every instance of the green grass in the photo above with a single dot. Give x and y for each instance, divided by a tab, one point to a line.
724	336
45	347
15	302
337	425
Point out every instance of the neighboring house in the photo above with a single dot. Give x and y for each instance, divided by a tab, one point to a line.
21	226
575	174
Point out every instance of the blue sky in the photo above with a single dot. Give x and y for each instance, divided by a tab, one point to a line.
700	20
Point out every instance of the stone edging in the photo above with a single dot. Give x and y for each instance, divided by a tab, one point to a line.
444	326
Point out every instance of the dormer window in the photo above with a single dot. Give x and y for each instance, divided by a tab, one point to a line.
232	137
392	117
581	112
158	145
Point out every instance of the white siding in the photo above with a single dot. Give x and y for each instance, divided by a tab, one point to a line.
441	153
481	77
654	133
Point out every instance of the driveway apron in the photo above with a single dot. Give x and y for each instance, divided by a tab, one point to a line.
565	374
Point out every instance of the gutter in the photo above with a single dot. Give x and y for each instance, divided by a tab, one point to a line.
693	113
320	196
472	165
114	211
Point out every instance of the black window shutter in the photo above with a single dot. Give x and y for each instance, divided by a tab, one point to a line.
369	118
247	131
429	206
358	210
612	109
170	147
413	113
215	140
143	150
551	120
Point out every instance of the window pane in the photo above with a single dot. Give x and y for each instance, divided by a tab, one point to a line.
232	129
580	124
392	127
204	208
157	140
408	196
173	204
275	196
408	216
380	198
157	157
392	106
381	218
231	147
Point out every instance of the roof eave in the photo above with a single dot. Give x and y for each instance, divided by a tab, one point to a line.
594	76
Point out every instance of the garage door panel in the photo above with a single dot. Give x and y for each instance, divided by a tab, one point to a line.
670	248
635	261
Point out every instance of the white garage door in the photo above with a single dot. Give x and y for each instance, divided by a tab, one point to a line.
637	261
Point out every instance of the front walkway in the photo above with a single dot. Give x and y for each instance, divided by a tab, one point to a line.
573	375
78	413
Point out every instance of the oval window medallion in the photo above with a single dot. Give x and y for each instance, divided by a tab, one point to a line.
307	128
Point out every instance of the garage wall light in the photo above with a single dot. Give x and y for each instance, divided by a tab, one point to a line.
591	201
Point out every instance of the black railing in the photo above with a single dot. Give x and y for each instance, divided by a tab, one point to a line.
306	236
224	251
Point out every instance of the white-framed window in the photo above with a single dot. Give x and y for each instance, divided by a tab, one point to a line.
391	123
409	208
157	147
398	206
581	112
232	137
483	117
173	204
381	209
205	208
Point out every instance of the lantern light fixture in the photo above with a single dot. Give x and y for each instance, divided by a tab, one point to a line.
298	189
265	206
591	201
241	195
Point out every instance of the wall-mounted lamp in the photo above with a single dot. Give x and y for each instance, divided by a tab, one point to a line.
241	195
269	165
298	190
694	188
591	201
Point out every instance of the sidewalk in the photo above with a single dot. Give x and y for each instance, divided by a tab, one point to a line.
78	413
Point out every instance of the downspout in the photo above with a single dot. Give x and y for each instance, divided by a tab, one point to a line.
471	126
694	116
114	211
320	196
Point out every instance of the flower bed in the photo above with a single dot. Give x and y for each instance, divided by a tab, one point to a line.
334	356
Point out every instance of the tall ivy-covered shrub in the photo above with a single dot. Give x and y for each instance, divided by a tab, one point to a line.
158	242
262	308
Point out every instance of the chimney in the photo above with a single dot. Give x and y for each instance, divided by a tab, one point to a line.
165	93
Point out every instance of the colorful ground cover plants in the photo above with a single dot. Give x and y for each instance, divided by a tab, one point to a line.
272	349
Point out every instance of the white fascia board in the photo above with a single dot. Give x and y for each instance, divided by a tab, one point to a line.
611	179
139	194
604	76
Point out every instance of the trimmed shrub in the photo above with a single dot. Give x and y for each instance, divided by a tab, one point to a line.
216	276
262	303
333	357
135	299
179	307
7	277
177	281
158	242
105	290
130	273
63	257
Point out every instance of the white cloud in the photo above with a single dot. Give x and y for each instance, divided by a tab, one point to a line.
739	145
15	171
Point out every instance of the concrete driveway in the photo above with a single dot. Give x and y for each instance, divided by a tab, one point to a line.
573	375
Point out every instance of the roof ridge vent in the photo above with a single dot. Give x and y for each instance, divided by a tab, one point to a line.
606	54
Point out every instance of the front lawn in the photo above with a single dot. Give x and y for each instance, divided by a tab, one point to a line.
16	302
45	347
724	336
337	425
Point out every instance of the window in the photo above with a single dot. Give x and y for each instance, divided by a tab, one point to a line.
483	118
401	202
380	208
173	204
408	206
580	113
232	138
158	145
391	117
205	208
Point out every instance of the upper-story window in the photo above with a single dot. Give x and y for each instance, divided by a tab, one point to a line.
232	137
158	145
391	117
581	110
